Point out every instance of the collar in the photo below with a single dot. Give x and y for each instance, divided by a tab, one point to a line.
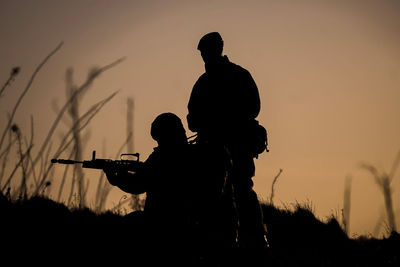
217	65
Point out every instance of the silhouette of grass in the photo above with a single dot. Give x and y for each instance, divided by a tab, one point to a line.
33	223
36	170
296	237
384	180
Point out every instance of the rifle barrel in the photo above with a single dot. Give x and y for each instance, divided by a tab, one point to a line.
65	161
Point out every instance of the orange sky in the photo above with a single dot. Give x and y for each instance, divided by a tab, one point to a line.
328	74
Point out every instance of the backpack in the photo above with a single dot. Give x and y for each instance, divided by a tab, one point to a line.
258	139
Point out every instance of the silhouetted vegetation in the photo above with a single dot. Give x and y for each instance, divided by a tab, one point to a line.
37	172
296	238
39	228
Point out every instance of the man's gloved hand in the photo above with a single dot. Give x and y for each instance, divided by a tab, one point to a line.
112	176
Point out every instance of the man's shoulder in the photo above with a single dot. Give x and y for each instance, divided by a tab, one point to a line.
202	79
237	68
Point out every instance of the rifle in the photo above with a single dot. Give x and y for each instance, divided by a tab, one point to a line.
101	164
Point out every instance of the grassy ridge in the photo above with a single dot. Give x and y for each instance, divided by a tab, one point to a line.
40	226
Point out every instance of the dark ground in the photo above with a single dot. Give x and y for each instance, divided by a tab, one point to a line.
41	231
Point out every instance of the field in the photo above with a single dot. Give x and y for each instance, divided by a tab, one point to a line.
39	229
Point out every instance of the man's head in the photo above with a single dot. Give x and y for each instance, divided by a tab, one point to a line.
167	129
211	46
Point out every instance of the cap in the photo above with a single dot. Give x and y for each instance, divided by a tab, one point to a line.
211	40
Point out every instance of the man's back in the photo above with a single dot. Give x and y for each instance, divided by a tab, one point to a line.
223	99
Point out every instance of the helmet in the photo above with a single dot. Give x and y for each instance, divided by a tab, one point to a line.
167	126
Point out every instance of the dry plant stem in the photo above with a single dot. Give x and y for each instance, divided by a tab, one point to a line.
90	114
387	193
4	156
64	179
271	200
378	224
14	170
78	150
66	105
383	181
42	170
14	72
129	132
60	116
10	120
11	142
6	84
100	183
65	144
22	189
346	204
29	159
71	192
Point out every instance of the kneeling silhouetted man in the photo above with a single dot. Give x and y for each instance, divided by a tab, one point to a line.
182	183
164	178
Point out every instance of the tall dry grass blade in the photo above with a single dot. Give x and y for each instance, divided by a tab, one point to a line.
8	181
76	134
373	171
387	194
383	180
29	156
84	121
61	188
347	204
28	86
135	200
72	189
100	181
22	188
87	117
4	156
129	124
81	89
271	199
378	225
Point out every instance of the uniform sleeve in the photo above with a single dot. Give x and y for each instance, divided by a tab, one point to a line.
251	96
133	182
194	107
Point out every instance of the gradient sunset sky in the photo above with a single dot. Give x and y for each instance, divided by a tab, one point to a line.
328	74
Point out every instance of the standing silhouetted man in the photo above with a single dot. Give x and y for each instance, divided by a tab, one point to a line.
223	105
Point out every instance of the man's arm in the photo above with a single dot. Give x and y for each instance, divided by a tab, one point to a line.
128	182
194	107
251	96
134	182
